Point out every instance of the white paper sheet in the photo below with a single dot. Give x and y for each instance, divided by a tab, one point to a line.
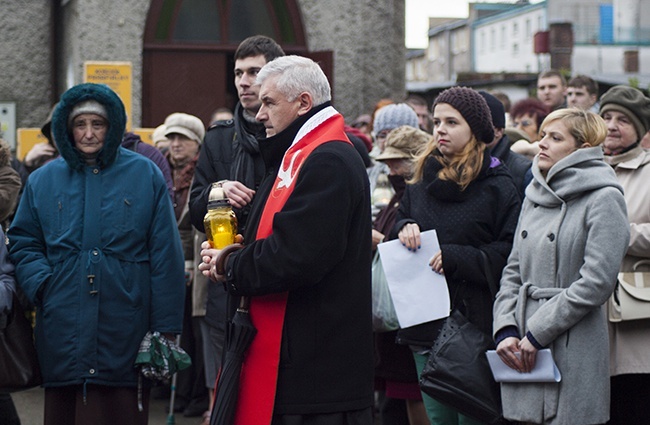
419	294
545	369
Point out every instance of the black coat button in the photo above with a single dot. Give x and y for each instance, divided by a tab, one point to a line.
524	234
551	237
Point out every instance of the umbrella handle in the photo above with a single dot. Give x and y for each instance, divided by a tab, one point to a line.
220	264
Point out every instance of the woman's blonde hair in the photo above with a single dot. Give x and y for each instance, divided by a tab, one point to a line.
461	169
584	126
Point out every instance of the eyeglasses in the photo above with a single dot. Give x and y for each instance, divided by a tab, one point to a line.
523	123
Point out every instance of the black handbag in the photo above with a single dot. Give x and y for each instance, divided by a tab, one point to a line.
19	369
457	372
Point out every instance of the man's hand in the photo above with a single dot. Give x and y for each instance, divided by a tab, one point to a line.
209	256
208	262
237	193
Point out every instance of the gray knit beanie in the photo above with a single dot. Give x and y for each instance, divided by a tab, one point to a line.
631	102
473	108
394	115
89	106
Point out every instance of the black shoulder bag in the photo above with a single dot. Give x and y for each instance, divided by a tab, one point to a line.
457	372
19	369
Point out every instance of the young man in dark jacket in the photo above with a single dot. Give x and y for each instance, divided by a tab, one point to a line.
231	158
306	264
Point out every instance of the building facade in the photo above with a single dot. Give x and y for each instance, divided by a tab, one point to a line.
181	50
505	42
608	40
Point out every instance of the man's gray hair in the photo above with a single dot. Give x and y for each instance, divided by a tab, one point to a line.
297	74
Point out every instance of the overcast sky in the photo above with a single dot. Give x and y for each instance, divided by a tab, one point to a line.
419	11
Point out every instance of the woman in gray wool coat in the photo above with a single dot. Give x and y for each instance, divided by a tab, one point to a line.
570	240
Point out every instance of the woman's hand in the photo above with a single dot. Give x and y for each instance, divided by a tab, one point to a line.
509	352
528	354
409	236
436	263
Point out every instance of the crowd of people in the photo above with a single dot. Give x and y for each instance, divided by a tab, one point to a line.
105	240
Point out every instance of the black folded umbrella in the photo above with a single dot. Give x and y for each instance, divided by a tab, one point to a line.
240	332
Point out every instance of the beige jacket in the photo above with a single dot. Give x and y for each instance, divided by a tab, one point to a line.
630	341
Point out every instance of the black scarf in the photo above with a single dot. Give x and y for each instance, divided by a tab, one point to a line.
244	148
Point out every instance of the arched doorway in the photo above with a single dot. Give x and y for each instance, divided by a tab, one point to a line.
189	47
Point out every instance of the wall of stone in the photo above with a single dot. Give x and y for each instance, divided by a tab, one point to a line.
366	36
99	30
25	62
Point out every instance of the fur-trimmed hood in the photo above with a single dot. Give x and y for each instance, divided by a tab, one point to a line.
116	123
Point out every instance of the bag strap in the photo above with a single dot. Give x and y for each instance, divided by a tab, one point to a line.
489	275
640	263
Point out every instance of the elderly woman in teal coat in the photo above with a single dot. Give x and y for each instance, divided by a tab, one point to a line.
570	240
96	249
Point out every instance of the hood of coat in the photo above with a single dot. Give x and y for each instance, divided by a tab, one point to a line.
116	124
582	171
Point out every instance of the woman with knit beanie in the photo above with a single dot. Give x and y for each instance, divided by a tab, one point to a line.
626	112
571	237
471	201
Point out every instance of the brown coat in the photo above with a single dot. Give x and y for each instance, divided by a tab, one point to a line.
10	183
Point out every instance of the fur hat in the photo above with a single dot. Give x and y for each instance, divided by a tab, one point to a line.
89	106
185	124
497	111
393	116
631	102
473	108
404	143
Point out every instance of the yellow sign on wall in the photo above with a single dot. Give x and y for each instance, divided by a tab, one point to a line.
145	134
26	139
118	76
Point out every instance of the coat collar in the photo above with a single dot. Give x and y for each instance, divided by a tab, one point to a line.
274	147
582	171
630	160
